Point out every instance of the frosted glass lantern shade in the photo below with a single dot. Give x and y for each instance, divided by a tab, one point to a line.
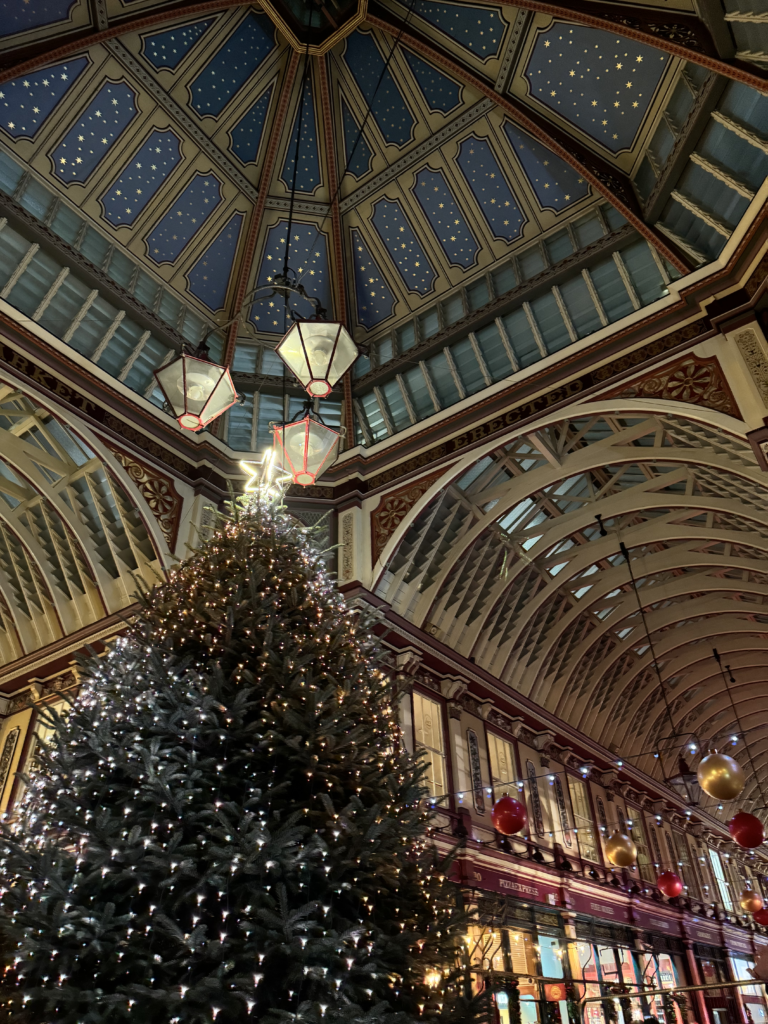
305	448
318	352
198	391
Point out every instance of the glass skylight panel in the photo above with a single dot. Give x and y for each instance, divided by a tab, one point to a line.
465	482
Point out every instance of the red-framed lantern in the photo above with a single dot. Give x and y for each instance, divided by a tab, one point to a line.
305	448
196	389
318	352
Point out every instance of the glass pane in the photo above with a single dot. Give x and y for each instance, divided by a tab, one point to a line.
442	380
34	283
494	353
151	356
504	279
521	338
502	761
240	421
64	305
550	322
477	294
551	957
416	386
559	246
393	397
581	308
582	818
12	250
93	326
467	366
121	345
374	417
611	290
644	272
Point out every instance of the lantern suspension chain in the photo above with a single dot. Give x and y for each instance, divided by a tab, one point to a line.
662	684
742	731
366	117
299	126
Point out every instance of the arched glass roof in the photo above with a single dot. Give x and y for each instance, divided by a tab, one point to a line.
477	186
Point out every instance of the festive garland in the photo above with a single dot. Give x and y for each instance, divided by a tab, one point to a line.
513	994
572	1002
669	1001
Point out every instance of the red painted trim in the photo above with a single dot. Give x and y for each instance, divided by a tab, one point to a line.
257	216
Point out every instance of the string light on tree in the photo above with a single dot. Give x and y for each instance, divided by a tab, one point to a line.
225	820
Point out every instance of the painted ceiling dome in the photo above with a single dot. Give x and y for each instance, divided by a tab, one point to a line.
471	188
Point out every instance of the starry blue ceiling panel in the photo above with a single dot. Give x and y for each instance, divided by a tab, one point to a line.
141	178
89	140
169	48
600	82
187	214
308	171
232	65
374	299
209	278
27	101
479	29
440	91
247	133
556	184
379	90
18	16
308	257
356	150
398	237
490	188
446	219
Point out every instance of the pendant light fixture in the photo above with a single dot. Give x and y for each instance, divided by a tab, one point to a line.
197	390
318	353
305	447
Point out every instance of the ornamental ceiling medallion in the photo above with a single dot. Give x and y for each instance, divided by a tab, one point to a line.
393	508
315	28
691	379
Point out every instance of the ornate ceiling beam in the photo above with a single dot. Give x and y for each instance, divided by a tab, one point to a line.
267	170
680	35
39	54
611	183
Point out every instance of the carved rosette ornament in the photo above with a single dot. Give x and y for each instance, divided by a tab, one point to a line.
393	508
158	490
691	379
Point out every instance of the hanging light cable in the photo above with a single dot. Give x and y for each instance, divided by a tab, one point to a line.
742	731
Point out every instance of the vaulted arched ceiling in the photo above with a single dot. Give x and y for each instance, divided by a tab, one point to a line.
73	544
571	159
509	565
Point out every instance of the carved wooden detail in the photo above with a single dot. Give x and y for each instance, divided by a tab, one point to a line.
393	508
753	355
157	489
347	532
691	379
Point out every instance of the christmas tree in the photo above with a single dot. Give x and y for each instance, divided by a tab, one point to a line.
225	825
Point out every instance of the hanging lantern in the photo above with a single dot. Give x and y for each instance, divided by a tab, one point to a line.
509	816
318	352
670	883
761	916
620	850
750	901
720	776
305	448
197	390
746	830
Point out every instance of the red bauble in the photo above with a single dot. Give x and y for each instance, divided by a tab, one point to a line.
747	830
761	916
509	816
670	883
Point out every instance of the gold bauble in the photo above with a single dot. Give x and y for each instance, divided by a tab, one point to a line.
720	776
620	850
750	901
